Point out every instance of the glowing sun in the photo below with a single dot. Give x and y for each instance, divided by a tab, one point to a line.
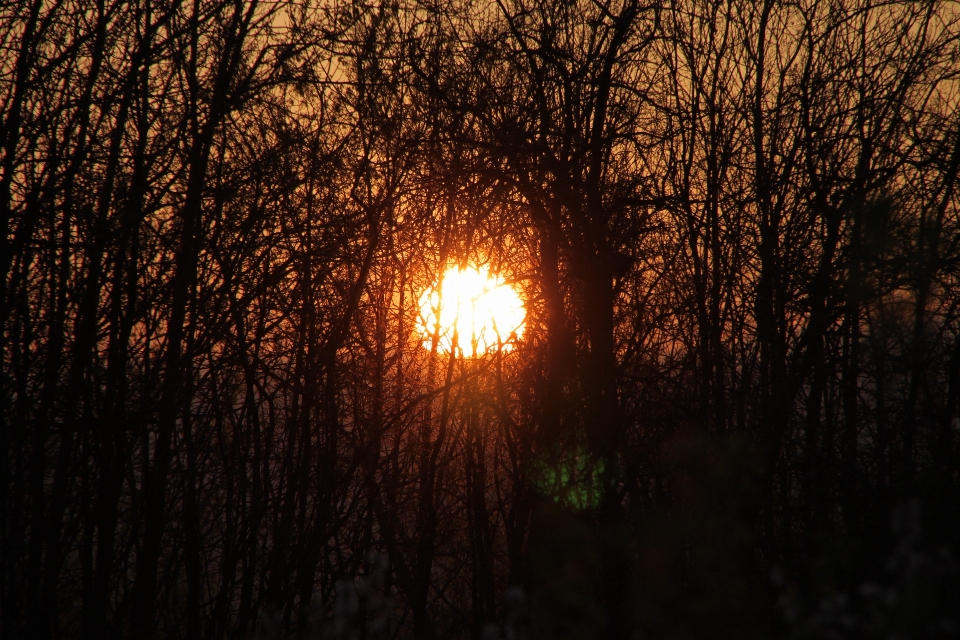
479	311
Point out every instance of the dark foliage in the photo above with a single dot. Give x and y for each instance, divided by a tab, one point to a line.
734	408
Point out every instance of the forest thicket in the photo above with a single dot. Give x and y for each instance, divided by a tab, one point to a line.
735	407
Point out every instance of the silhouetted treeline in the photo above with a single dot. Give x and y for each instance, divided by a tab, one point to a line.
734	408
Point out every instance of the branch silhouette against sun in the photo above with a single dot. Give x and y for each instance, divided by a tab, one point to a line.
473	310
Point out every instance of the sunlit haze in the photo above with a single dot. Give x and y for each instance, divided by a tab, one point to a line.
481	309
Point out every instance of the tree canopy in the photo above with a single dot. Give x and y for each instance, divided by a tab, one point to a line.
734	229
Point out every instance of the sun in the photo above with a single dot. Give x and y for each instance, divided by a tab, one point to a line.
473	309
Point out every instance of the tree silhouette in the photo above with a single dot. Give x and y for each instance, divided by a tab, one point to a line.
734	229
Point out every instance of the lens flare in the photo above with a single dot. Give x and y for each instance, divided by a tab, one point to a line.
478	310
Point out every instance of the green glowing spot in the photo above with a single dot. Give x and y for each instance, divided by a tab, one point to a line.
571	476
